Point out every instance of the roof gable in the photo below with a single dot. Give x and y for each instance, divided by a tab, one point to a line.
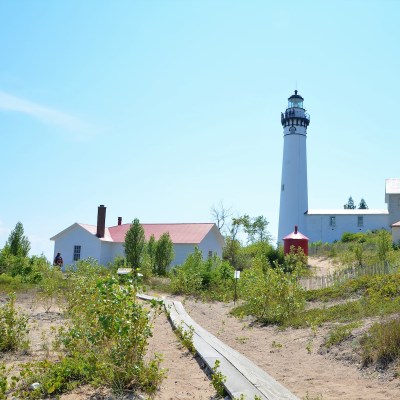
67	230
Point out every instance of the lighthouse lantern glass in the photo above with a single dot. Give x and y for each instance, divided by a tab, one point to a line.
295	102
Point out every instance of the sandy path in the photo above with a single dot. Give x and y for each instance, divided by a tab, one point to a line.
291	357
185	379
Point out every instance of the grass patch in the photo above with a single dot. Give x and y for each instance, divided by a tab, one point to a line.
346	313
339	334
381	344
13	327
9	284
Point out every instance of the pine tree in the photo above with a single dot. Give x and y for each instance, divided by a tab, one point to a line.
17	243
363	205
350	204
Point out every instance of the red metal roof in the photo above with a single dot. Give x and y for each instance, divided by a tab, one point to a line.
295	235
179	233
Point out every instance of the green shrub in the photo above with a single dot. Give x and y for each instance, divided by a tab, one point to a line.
382	343
271	295
185	336
218	379
212	277
105	341
13	327
51	285
358	237
296	262
339	334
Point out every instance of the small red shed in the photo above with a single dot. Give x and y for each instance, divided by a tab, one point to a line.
295	239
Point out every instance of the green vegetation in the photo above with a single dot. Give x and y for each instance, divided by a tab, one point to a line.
164	254
351	206
106	338
218	379
339	334
13	327
135	244
271	295
103	343
149	258
381	344
212	278
185	336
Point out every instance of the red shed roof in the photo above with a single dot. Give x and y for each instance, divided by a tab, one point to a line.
296	235
192	233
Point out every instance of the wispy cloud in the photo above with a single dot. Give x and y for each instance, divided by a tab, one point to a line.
45	114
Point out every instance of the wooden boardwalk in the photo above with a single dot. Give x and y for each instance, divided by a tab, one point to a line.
243	377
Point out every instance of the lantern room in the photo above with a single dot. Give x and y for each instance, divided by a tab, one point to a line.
295	100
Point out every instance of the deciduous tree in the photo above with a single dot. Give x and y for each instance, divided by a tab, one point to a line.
220	215
164	254
151	251
135	244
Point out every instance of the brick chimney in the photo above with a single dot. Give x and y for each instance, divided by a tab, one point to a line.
101	221
119	220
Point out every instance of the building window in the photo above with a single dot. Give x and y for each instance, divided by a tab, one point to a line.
77	253
282	188
332	222
360	221
210	254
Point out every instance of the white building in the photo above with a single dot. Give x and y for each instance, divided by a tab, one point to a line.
322	225
80	241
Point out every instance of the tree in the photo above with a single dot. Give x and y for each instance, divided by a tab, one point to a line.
18	244
220	215
363	205
164	254
232	244
350	204
151	252
384	244
256	229
135	244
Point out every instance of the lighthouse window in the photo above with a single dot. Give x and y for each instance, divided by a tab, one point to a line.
282	188
332	221
360	221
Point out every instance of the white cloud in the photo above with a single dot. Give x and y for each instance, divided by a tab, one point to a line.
45	114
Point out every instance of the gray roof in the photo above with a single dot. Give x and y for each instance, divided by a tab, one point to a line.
343	211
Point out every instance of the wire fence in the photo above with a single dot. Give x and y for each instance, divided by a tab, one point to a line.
344	274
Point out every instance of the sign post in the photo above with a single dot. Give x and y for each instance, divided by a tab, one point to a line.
237	276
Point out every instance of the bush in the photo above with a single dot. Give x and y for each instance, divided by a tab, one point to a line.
358	237
339	334
51	283
13	327
382	343
272	295
188	277
212	277
105	341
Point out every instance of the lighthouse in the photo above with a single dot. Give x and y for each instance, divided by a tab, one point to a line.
294	193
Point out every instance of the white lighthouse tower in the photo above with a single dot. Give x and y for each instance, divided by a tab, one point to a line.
294	194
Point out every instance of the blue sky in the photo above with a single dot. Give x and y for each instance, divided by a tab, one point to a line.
161	109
